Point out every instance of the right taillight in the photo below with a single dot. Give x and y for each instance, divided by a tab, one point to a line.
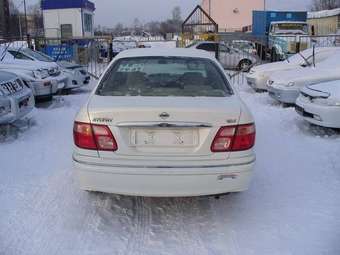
93	137
234	138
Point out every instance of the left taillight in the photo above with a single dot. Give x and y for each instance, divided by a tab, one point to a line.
93	137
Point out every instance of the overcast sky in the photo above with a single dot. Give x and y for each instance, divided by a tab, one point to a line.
110	12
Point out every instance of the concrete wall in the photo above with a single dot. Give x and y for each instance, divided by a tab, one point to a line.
53	19
232	15
326	25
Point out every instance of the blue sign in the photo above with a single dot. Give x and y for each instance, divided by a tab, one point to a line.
59	52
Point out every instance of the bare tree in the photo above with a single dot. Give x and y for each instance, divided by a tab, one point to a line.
177	14
319	5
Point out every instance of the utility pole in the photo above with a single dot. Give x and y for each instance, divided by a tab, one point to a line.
20	31
264	5
25	17
210	8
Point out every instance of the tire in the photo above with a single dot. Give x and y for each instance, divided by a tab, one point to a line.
44	99
274	55
244	65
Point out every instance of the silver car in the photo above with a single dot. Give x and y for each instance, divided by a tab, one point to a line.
230	58
16	99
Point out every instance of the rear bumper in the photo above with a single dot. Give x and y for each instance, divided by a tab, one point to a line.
78	81
283	95
62	81
256	83
44	88
164	181
20	106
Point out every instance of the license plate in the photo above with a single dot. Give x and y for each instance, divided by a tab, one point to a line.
163	137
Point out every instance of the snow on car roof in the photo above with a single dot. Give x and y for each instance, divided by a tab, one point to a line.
165	52
323	14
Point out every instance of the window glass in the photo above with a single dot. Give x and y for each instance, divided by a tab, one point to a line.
87	22
19	55
165	76
66	30
37	55
207	47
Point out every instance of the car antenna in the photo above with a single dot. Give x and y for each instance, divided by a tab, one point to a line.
314	55
5	52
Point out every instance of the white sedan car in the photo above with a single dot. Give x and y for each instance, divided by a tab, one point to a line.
230	58
319	104
259	75
164	123
73	75
285	86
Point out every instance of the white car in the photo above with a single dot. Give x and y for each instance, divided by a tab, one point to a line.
285	86
77	74
245	45
319	104
42	84
164	122
230	58
11	56
259	75
16	99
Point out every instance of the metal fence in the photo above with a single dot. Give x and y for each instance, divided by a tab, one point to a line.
240	52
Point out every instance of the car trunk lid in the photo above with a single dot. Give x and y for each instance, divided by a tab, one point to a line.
169	126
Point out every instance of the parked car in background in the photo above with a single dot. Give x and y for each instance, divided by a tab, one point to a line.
73	75
319	104
122	44
16	99
164	122
230	58
259	75
244	45
12	56
285	86
42	84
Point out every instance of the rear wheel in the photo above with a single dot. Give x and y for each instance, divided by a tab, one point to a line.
244	65
274	56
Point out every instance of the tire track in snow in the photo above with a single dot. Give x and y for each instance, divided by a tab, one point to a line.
188	216
141	222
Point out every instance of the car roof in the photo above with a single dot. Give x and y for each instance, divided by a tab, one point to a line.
165	52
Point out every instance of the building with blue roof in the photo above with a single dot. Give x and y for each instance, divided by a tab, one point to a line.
68	18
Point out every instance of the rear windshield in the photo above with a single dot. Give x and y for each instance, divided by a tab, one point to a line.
164	76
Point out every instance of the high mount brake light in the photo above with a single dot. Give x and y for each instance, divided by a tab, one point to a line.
93	137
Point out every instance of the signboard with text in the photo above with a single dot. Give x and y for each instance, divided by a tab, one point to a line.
60	52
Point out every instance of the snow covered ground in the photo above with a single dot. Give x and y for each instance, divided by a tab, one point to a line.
292	207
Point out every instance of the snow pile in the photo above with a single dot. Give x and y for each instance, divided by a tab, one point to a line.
291	208
323	14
